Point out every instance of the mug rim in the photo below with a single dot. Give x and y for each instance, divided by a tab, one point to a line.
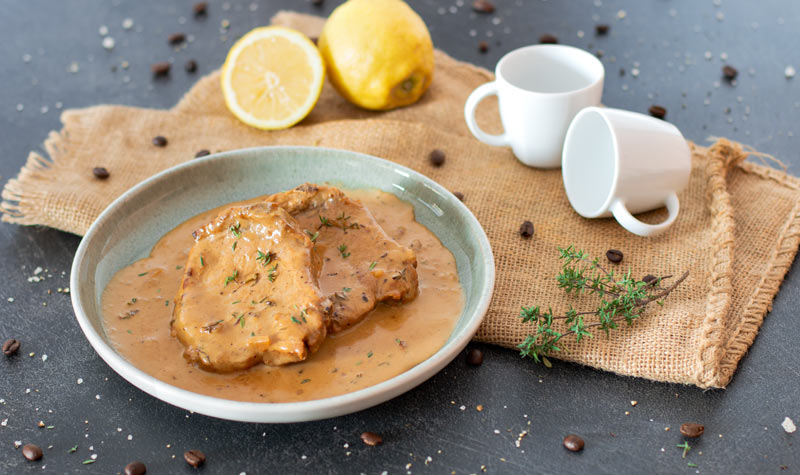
612	192
593	59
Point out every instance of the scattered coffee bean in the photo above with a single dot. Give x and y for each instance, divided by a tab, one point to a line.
135	468
32	452
200	8
602	29
573	443
201	153
548	39
372	439
475	357
10	347
160	69
483	46
614	256
691	429
190	66
100	172
650	279
729	72
317	3
176	38
526	229
160	141
659	112
621	72
436	157
483	6
459	195
195	458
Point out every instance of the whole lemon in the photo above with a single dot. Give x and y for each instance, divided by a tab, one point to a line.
378	53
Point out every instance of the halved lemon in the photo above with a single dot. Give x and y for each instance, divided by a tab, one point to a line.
272	77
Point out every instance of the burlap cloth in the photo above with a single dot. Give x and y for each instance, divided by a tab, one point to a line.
737	233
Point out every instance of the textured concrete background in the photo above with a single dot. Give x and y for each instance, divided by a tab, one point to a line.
51	58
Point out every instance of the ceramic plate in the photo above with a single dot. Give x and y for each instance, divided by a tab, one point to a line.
127	230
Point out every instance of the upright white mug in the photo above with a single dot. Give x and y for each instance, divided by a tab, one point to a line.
618	163
540	89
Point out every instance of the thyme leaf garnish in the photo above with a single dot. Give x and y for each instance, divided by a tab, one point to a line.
239	319
271	273
372	266
232	277
211	326
264	257
235	230
313	236
343	251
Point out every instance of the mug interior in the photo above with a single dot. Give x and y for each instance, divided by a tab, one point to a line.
589	163
550	69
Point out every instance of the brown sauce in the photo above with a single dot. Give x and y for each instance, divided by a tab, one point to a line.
138	301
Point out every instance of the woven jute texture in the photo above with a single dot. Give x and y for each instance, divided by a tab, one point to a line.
737	232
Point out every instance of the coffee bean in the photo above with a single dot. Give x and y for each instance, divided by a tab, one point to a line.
650	279
621	72
372	439
483	46
200	8
100	172
573	443
526	229
691	429
10	347
483	6
602	29
548	39
190	66
176	38
160	69
436	158
135	468
729	72
201	153
317	3
614	256
31	452
659	112
160	141
195	458
475	357
459	195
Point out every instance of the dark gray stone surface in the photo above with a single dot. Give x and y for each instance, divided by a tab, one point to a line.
666	41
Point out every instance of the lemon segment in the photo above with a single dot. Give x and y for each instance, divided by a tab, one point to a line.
272	77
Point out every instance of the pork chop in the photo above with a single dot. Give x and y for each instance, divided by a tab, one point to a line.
249	293
361	264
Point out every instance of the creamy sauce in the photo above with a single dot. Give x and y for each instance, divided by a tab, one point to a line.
138	301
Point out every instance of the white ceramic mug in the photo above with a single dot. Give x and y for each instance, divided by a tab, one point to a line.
618	163
540	89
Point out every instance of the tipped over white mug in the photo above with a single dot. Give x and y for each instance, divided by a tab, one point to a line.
618	163
539	89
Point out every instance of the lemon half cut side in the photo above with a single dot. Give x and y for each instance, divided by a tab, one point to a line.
272	77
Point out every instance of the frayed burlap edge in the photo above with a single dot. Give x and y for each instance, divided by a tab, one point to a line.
720	354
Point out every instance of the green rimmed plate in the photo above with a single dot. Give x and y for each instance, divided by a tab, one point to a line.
127	230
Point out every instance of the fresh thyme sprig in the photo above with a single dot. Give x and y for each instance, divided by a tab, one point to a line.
621	298
343	251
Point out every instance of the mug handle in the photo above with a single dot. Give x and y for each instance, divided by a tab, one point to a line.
626	219
479	94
